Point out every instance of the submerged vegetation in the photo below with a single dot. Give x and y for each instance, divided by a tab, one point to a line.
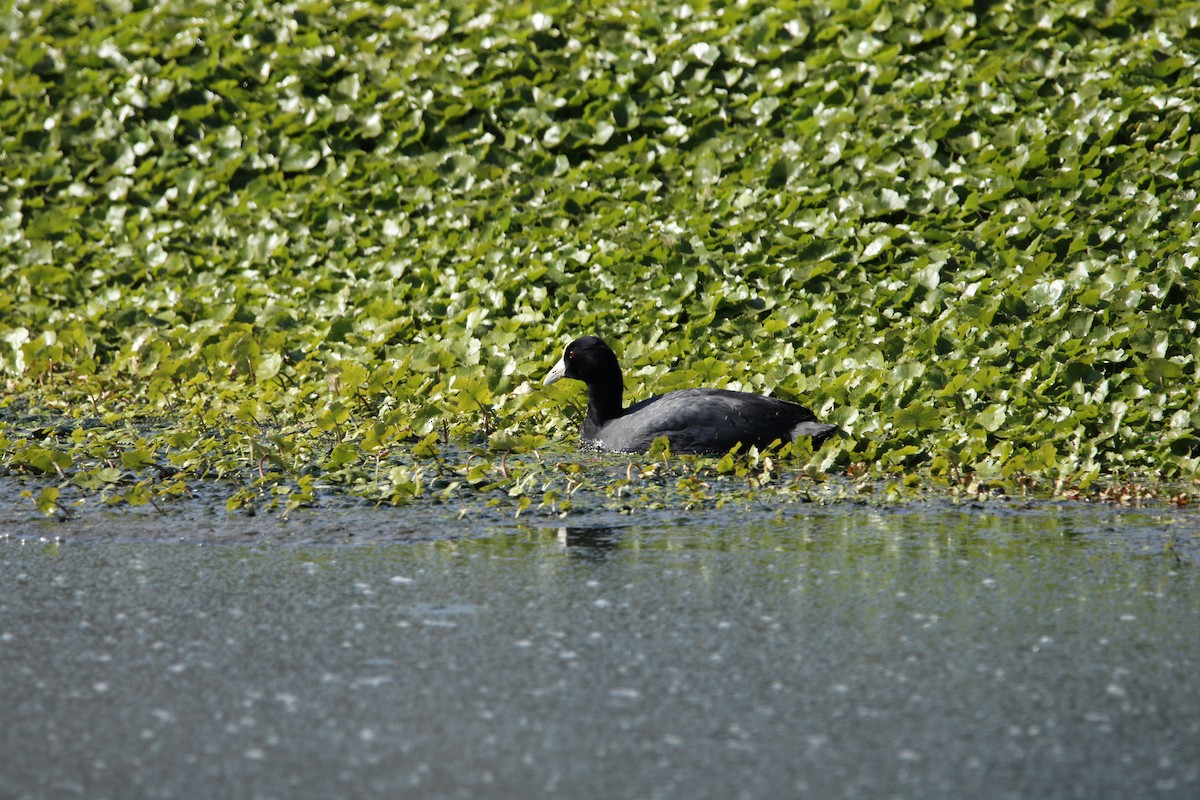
332	247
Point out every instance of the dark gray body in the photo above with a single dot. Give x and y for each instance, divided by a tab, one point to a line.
704	421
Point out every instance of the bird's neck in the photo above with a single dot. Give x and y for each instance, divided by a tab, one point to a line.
605	402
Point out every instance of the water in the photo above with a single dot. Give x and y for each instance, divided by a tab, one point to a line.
847	652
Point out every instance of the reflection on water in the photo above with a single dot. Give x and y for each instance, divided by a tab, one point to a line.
589	543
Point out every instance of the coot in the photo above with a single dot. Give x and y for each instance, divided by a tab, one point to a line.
693	420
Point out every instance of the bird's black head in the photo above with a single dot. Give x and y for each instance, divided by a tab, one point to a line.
587	359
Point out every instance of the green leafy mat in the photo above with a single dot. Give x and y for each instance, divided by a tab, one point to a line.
334	246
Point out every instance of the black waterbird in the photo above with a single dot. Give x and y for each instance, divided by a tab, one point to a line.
692	420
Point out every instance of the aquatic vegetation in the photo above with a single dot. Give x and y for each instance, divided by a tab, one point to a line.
324	247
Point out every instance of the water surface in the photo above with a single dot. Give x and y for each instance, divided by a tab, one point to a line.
847	652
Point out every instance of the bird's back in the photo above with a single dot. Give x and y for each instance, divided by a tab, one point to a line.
703	421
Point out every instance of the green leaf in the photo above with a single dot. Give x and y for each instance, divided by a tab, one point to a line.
917	416
47	500
992	418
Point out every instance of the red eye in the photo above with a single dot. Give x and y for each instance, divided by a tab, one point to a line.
571	354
